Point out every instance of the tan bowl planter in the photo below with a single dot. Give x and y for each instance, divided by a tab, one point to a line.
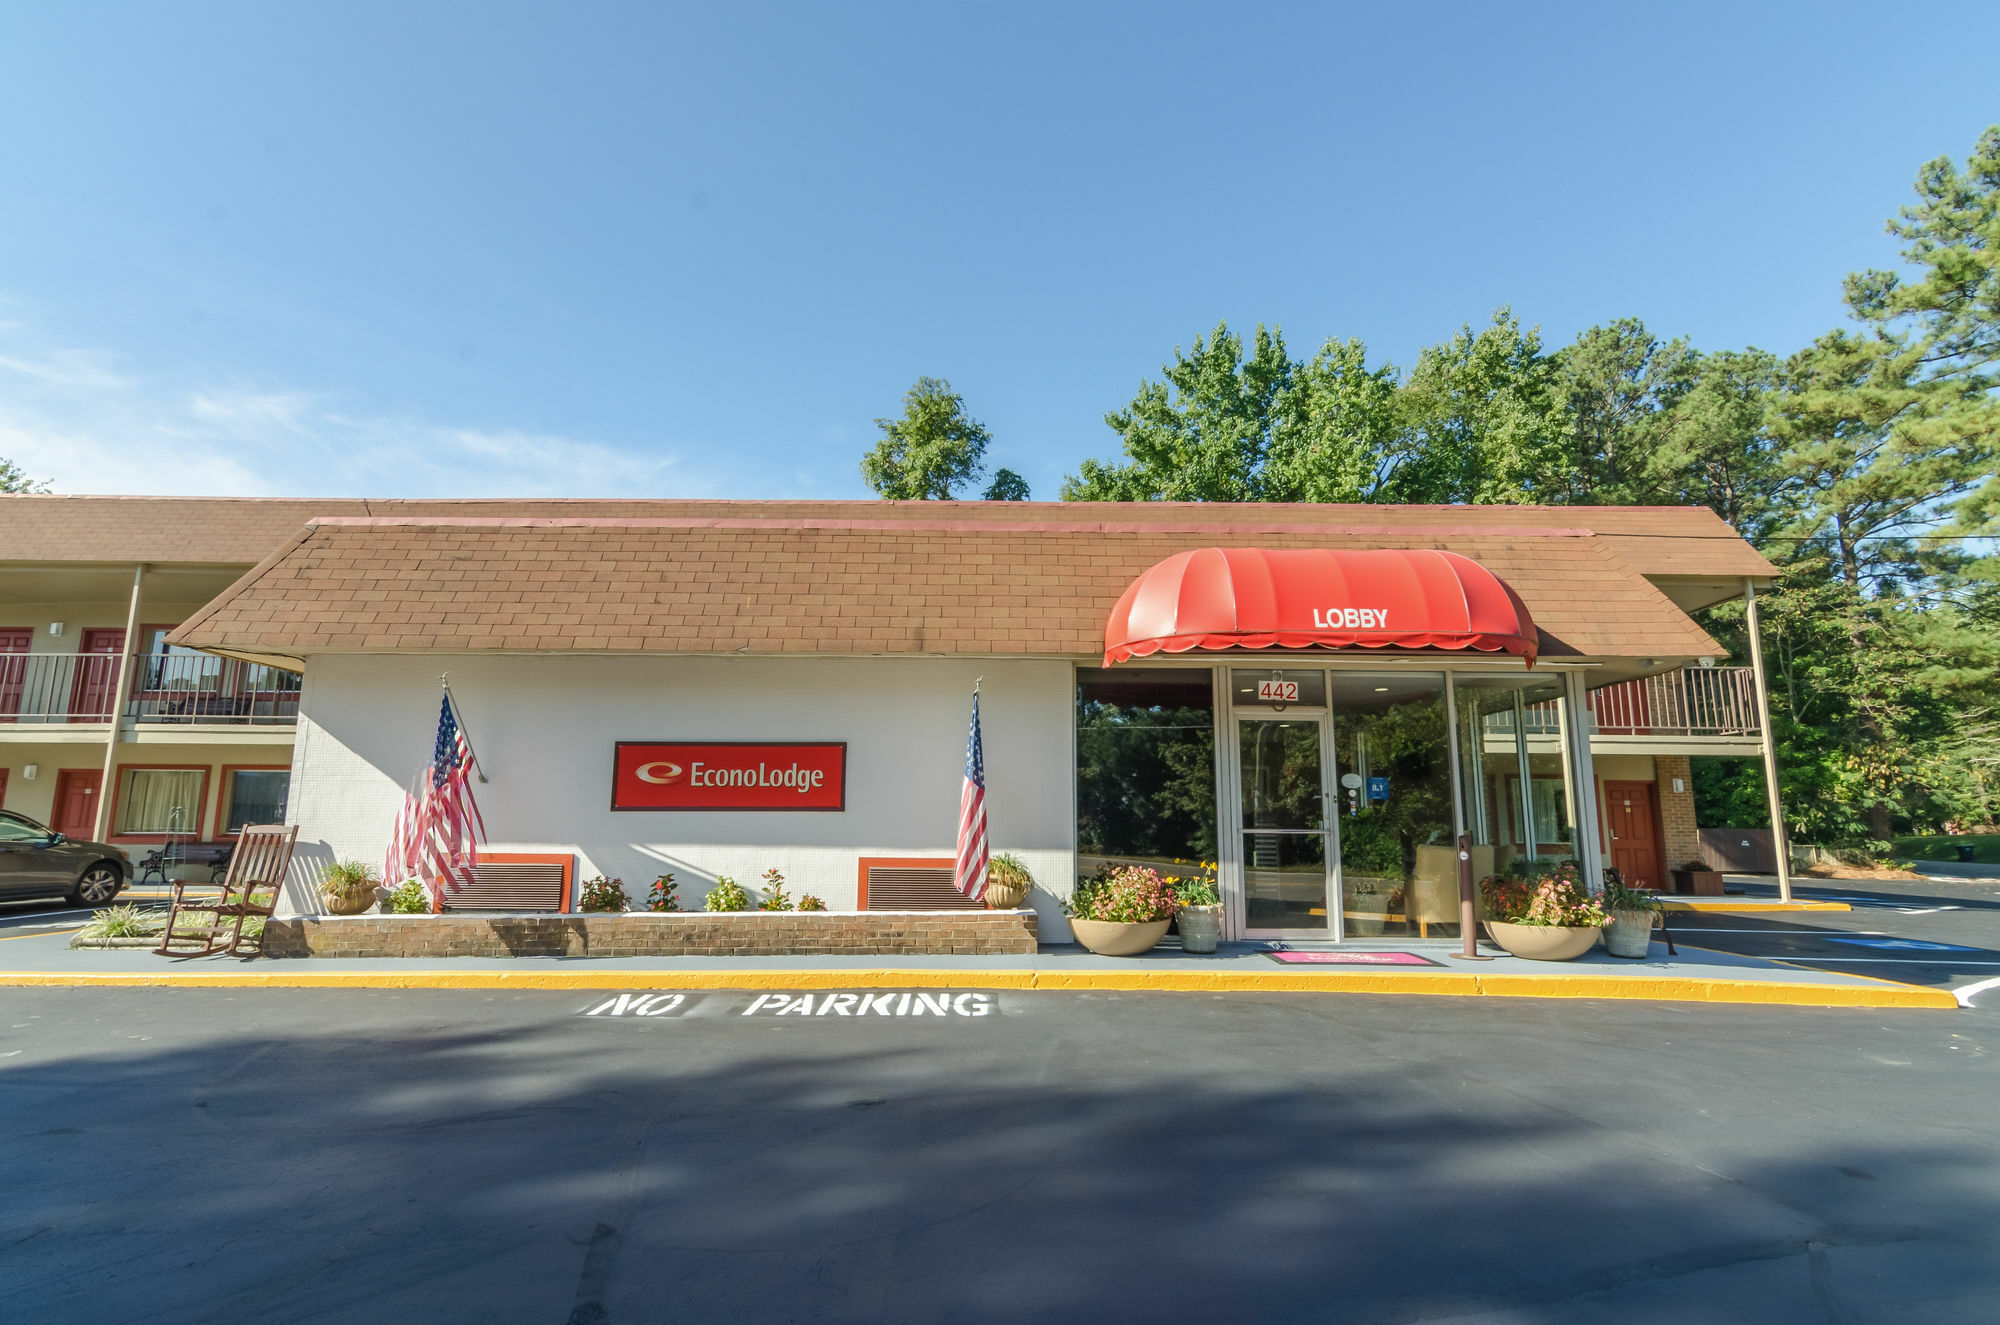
1004	896
1544	943
348	904
1111	938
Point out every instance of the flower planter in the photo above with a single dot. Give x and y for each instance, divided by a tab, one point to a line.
1111	938
1630	934
1543	943
348	904
1201	928
1004	896
1706	883
1365	913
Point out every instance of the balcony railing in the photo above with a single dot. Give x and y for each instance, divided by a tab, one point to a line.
1690	701
1693	701
190	688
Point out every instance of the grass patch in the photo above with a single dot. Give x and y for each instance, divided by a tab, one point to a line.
1985	847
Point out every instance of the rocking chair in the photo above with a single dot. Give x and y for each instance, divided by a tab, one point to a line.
256	877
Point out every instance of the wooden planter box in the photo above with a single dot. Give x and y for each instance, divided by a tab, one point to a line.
1706	883
654	934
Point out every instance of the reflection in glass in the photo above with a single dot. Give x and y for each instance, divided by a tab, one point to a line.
1513	770
1145	769
1284	880
1281	785
1392	766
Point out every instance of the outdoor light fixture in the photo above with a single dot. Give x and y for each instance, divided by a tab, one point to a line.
1381	690
55	627
28	771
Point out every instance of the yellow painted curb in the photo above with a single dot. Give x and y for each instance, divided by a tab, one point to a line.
1753	908
1696	989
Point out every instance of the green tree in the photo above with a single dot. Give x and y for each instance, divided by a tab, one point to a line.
1488	418
1006	486
1201	435
14	479
1337	435
1618	379
936	446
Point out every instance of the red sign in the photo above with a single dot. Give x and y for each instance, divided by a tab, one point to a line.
729	775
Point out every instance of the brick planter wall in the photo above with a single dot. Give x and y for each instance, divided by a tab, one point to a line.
695	934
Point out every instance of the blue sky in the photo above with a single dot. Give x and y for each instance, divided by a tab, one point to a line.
432	250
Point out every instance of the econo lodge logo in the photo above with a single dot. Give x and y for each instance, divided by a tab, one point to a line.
729	775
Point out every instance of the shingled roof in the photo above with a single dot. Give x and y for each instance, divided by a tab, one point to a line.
897	578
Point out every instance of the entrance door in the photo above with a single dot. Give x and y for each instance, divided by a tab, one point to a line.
1285	827
76	802
1635	846
96	675
14	645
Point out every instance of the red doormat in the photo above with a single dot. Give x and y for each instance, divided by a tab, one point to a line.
1351	959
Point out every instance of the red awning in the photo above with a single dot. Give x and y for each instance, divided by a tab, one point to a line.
1253	598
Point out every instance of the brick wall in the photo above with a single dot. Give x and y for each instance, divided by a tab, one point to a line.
698	934
1679	838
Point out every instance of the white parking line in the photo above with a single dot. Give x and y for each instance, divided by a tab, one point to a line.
1704	929
1965	993
1844	961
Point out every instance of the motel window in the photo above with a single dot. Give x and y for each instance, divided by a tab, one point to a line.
254	796
160	800
1145	768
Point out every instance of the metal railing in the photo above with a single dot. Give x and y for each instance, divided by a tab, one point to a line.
1691	701
45	688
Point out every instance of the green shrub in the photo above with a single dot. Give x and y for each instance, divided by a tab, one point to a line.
123	922
602	894
774	893
1617	897
410	898
726	895
807	902
1009	870
664	896
349	880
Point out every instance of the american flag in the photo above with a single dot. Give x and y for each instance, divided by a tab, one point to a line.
970	876
437	833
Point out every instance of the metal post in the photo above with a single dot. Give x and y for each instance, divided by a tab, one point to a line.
1526	774
1590	843
1779	841
1468	902
106	791
1565	747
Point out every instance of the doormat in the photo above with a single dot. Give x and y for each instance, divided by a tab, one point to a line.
1351	959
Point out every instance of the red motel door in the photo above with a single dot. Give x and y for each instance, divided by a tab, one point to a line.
76	802
14	645
1635	846
96	675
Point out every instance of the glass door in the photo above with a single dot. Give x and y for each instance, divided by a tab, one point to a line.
1286	829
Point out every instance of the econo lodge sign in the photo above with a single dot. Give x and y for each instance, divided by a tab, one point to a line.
729	775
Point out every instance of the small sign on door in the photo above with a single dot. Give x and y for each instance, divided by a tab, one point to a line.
1278	692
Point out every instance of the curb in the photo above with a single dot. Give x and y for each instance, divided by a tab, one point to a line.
1739	908
1678	989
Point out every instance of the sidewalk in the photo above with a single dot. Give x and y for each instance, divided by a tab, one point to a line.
1696	975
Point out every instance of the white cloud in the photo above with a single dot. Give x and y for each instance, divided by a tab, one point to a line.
88	424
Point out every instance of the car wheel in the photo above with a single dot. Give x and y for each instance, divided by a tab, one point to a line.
99	884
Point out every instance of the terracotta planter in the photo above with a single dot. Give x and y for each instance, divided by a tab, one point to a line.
1004	896
1630	934
1544	943
347	904
1110	938
1201	928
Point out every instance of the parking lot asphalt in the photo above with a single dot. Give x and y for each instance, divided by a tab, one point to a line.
305	1155
1934	932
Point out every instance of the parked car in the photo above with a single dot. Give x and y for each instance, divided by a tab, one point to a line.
36	861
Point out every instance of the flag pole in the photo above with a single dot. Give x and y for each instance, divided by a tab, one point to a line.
457	713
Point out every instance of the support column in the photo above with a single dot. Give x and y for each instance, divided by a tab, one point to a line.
1780	843
1590	845
107	790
